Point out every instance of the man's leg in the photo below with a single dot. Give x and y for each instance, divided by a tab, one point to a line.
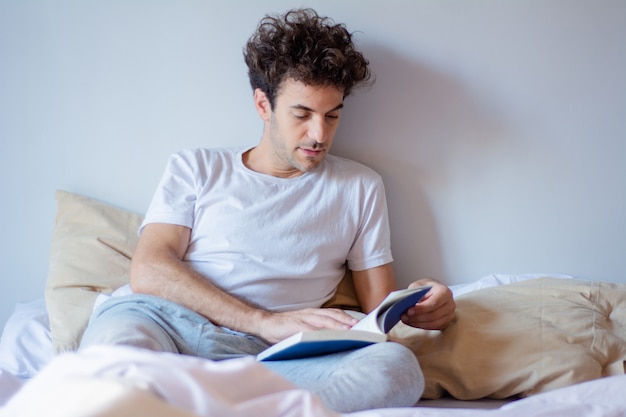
377	376
127	321
157	324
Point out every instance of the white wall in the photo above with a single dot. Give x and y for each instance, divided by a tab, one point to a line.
499	127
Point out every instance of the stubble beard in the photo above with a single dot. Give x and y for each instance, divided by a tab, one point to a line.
291	158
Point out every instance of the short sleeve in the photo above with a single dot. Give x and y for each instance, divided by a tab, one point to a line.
175	197
372	245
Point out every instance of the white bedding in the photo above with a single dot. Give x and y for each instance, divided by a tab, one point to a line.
118	381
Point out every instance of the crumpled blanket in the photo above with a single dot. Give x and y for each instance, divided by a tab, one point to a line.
122	381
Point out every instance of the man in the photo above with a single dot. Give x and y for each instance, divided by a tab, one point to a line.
240	248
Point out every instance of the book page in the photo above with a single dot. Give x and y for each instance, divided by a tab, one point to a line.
397	302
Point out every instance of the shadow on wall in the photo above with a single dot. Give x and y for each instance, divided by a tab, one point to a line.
414	126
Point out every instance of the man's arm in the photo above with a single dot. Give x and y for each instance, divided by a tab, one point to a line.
157	269
435	310
373	285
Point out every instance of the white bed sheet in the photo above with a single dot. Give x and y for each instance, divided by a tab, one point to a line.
26	348
115	381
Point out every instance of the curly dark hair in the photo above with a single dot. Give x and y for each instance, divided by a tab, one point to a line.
305	47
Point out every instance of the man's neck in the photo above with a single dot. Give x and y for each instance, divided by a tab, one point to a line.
260	160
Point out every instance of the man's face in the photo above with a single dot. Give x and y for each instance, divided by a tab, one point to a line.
302	125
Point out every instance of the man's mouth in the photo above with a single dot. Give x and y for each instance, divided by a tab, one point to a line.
309	152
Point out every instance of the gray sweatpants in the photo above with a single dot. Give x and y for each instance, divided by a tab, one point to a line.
376	376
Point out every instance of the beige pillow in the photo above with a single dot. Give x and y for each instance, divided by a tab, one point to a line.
524	338
345	296
90	254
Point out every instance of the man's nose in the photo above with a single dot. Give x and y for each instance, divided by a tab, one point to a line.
318	130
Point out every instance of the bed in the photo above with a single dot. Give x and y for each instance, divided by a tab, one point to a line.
531	344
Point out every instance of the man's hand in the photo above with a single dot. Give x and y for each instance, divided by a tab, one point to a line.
278	326
435	311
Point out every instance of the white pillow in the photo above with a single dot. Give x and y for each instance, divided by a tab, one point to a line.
26	344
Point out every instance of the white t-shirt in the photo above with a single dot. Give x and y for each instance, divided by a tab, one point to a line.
281	243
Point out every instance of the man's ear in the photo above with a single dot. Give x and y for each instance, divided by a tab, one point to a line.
262	104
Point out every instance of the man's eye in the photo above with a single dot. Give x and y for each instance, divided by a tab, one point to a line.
300	116
332	116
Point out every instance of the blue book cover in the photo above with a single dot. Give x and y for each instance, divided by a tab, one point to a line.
320	342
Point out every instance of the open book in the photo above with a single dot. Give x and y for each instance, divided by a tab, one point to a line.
370	329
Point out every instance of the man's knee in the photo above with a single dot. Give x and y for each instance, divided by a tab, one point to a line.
121	325
378	376
398	370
